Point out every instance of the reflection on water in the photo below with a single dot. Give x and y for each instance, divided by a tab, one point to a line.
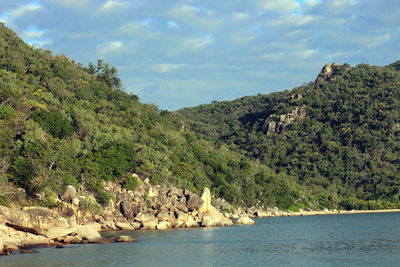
337	240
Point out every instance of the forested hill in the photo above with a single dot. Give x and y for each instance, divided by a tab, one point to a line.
65	124
339	135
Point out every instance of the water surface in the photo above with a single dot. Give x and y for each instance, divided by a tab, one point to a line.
334	240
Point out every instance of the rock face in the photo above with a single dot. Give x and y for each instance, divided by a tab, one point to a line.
327	72
206	197
130	209
68	194
284	121
194	202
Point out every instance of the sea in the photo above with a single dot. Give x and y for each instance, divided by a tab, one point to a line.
326	240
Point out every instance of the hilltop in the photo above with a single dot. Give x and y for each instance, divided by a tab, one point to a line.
339	136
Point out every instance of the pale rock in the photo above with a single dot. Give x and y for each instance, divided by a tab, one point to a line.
149	225
75	202
152	193
181	219
206	197
124	238
136	225
194	202
190	222
68	194
261	214
235	216
244	221
163	225
209	221
10	248
88	232
163	215
57	232
124	226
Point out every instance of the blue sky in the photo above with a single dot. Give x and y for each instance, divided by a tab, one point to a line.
178	53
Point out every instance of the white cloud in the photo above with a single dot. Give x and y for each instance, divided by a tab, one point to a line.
279	5
39	43
32	34
343	3
163	68
112	5
77	4
22	10
371	41
110	47
184	12
139	29
240	16
293	20
198	43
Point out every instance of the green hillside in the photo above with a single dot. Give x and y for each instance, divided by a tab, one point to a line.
339	137
65	124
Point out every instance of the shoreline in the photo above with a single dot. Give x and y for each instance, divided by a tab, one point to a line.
331	212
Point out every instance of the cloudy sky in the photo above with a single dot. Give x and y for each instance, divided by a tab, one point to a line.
184	53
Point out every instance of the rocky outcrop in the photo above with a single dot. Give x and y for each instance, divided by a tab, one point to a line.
244	221
281	122
327	72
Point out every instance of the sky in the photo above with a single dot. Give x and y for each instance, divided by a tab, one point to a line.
176	53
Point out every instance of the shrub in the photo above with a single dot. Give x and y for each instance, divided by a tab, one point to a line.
53	123
6	112
130	183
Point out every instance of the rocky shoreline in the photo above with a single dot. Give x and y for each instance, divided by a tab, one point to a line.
79	219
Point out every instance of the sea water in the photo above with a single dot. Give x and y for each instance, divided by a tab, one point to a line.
330	240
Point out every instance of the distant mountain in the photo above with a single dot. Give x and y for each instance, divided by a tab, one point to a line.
338	136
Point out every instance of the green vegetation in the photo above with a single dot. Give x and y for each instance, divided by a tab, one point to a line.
345	152
65	124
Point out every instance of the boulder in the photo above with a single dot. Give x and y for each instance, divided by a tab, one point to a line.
75	202
244	221
206	197
130	210
124	226
10	248
163	225
194	202
190	222
209	221
124	238
148	221
181	219
163	215
152	192
136	225
261	214
173	191
57	232
37	218
88	232
68	194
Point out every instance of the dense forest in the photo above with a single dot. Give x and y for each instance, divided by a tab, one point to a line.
331	144
62	123
339	137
